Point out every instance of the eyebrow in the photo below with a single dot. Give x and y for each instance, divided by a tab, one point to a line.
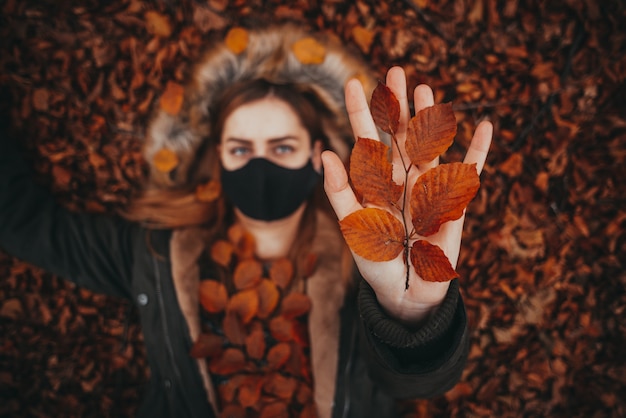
272	141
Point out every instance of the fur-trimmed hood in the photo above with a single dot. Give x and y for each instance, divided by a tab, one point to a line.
268	54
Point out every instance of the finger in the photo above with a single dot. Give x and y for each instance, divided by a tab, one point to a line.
422	98
336	185
396	81
479	147
359	112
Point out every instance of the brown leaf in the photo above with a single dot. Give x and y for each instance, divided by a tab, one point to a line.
371	173
374	234
245	304
237	40
209	191
228	390
309	51
247	274
232	360
172	99
250	391
243	241
255	344
363	37
282	329
281	272
275	410
295	305
222	252
441	195
430	263
278	355
268	298
234	329
233	411
280	386
165	160
207	345
431	132
213	296
158	24
385	109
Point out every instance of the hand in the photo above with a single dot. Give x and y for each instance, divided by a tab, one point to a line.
387	278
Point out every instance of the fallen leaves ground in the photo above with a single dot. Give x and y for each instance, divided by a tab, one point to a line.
542	264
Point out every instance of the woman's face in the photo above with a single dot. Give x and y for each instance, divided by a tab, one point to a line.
267	128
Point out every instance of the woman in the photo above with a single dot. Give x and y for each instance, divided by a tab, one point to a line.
259	114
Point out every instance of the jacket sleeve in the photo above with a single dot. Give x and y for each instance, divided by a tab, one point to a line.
416	364
92	251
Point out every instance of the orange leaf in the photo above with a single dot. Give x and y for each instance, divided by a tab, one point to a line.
295	305
255	344
304	394
278	355
233	411
250	391
441	195
431	132
158	24
213	296
308	265
172	99
281	328
232	360
385	109
275	410
247	273
308	411
165	160
281	272
268	298
234	329
209	191
430	262
371	173
280	386
237	40
363	38
229	388
374	234
243	241
222	252
245	304
309	51
207	345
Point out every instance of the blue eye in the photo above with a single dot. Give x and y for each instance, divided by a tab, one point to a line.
240	151
283	149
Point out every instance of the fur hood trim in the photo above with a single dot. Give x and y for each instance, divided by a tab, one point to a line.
268	54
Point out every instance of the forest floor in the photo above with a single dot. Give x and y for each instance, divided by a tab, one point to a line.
544	248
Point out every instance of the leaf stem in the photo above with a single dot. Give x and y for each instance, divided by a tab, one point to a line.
402	211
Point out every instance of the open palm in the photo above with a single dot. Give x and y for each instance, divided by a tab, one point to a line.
387	278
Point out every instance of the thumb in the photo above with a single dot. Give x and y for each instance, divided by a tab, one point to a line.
337	187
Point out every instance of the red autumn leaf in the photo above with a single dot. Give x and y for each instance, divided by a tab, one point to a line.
304	394
222	252
430	262
298	363
431	132
278	355
242	240
213	296
250	391
207	345
295	305
255	344
232	360
385	109
281	328
234	329
275	410
245	304
374	234
301	333
233	411
281	272
371	173
247	274
268	298
280	386
441	195
229	388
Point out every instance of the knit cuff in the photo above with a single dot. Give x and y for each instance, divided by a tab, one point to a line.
394	334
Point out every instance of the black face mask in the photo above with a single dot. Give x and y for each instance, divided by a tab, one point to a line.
266	191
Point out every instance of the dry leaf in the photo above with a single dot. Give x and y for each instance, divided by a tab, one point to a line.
374	234
213	296
209	191
309	51
237	40
165	160
232	360
363	38
281	272
385	109
431	132
247	274
430	262
274	410
268	298
280	386
282	328
234	329
207	345
250	391
371	173
172	99
441	195
158	24
255	344
278	355
295	305
222	252
245	304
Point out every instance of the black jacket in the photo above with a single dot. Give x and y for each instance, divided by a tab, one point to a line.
379	359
